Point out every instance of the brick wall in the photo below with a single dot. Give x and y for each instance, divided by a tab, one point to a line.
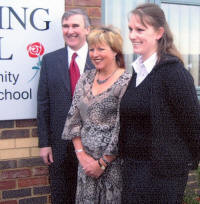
23	176
92	7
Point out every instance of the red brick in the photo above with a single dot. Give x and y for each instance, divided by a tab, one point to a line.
30	162
40	171
94	12
96	22
4	185
16	193
40	200
9	202
11	174
68	3
41	190
8	164
6	124
32	182
75	7
20	133
26	123
34	132
87	2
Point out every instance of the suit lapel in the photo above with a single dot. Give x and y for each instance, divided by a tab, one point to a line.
88	64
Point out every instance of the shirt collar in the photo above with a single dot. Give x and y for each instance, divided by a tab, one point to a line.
149	63
82	52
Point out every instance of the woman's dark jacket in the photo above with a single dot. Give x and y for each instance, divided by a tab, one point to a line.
175	117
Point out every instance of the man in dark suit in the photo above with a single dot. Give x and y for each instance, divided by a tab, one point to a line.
54	101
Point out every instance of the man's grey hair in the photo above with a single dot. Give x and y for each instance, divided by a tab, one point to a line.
77	11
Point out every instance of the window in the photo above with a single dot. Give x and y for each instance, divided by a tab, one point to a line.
184	21
115	12
183	17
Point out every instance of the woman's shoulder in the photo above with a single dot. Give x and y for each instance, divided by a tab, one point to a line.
172	73
169	62
171	66
88	75
124	77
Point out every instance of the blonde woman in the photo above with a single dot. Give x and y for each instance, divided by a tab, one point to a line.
93	120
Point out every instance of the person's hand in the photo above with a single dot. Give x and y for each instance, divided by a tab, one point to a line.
46	154
89	165
84	159
93	169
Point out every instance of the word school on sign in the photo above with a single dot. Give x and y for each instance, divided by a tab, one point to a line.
16	95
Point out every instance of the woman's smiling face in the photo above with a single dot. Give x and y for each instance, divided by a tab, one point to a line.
144	38
102	55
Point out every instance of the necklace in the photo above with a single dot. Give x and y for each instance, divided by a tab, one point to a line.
104	80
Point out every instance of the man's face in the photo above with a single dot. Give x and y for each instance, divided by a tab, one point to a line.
74	31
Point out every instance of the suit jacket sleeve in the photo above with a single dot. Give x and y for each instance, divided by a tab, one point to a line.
43	107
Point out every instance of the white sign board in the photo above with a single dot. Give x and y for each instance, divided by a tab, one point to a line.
28	30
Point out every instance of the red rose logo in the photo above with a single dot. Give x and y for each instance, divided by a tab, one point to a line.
35	49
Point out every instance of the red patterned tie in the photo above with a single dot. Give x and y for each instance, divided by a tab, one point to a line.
74	73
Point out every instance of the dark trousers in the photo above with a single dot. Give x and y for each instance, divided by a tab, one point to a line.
140	186
63	174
